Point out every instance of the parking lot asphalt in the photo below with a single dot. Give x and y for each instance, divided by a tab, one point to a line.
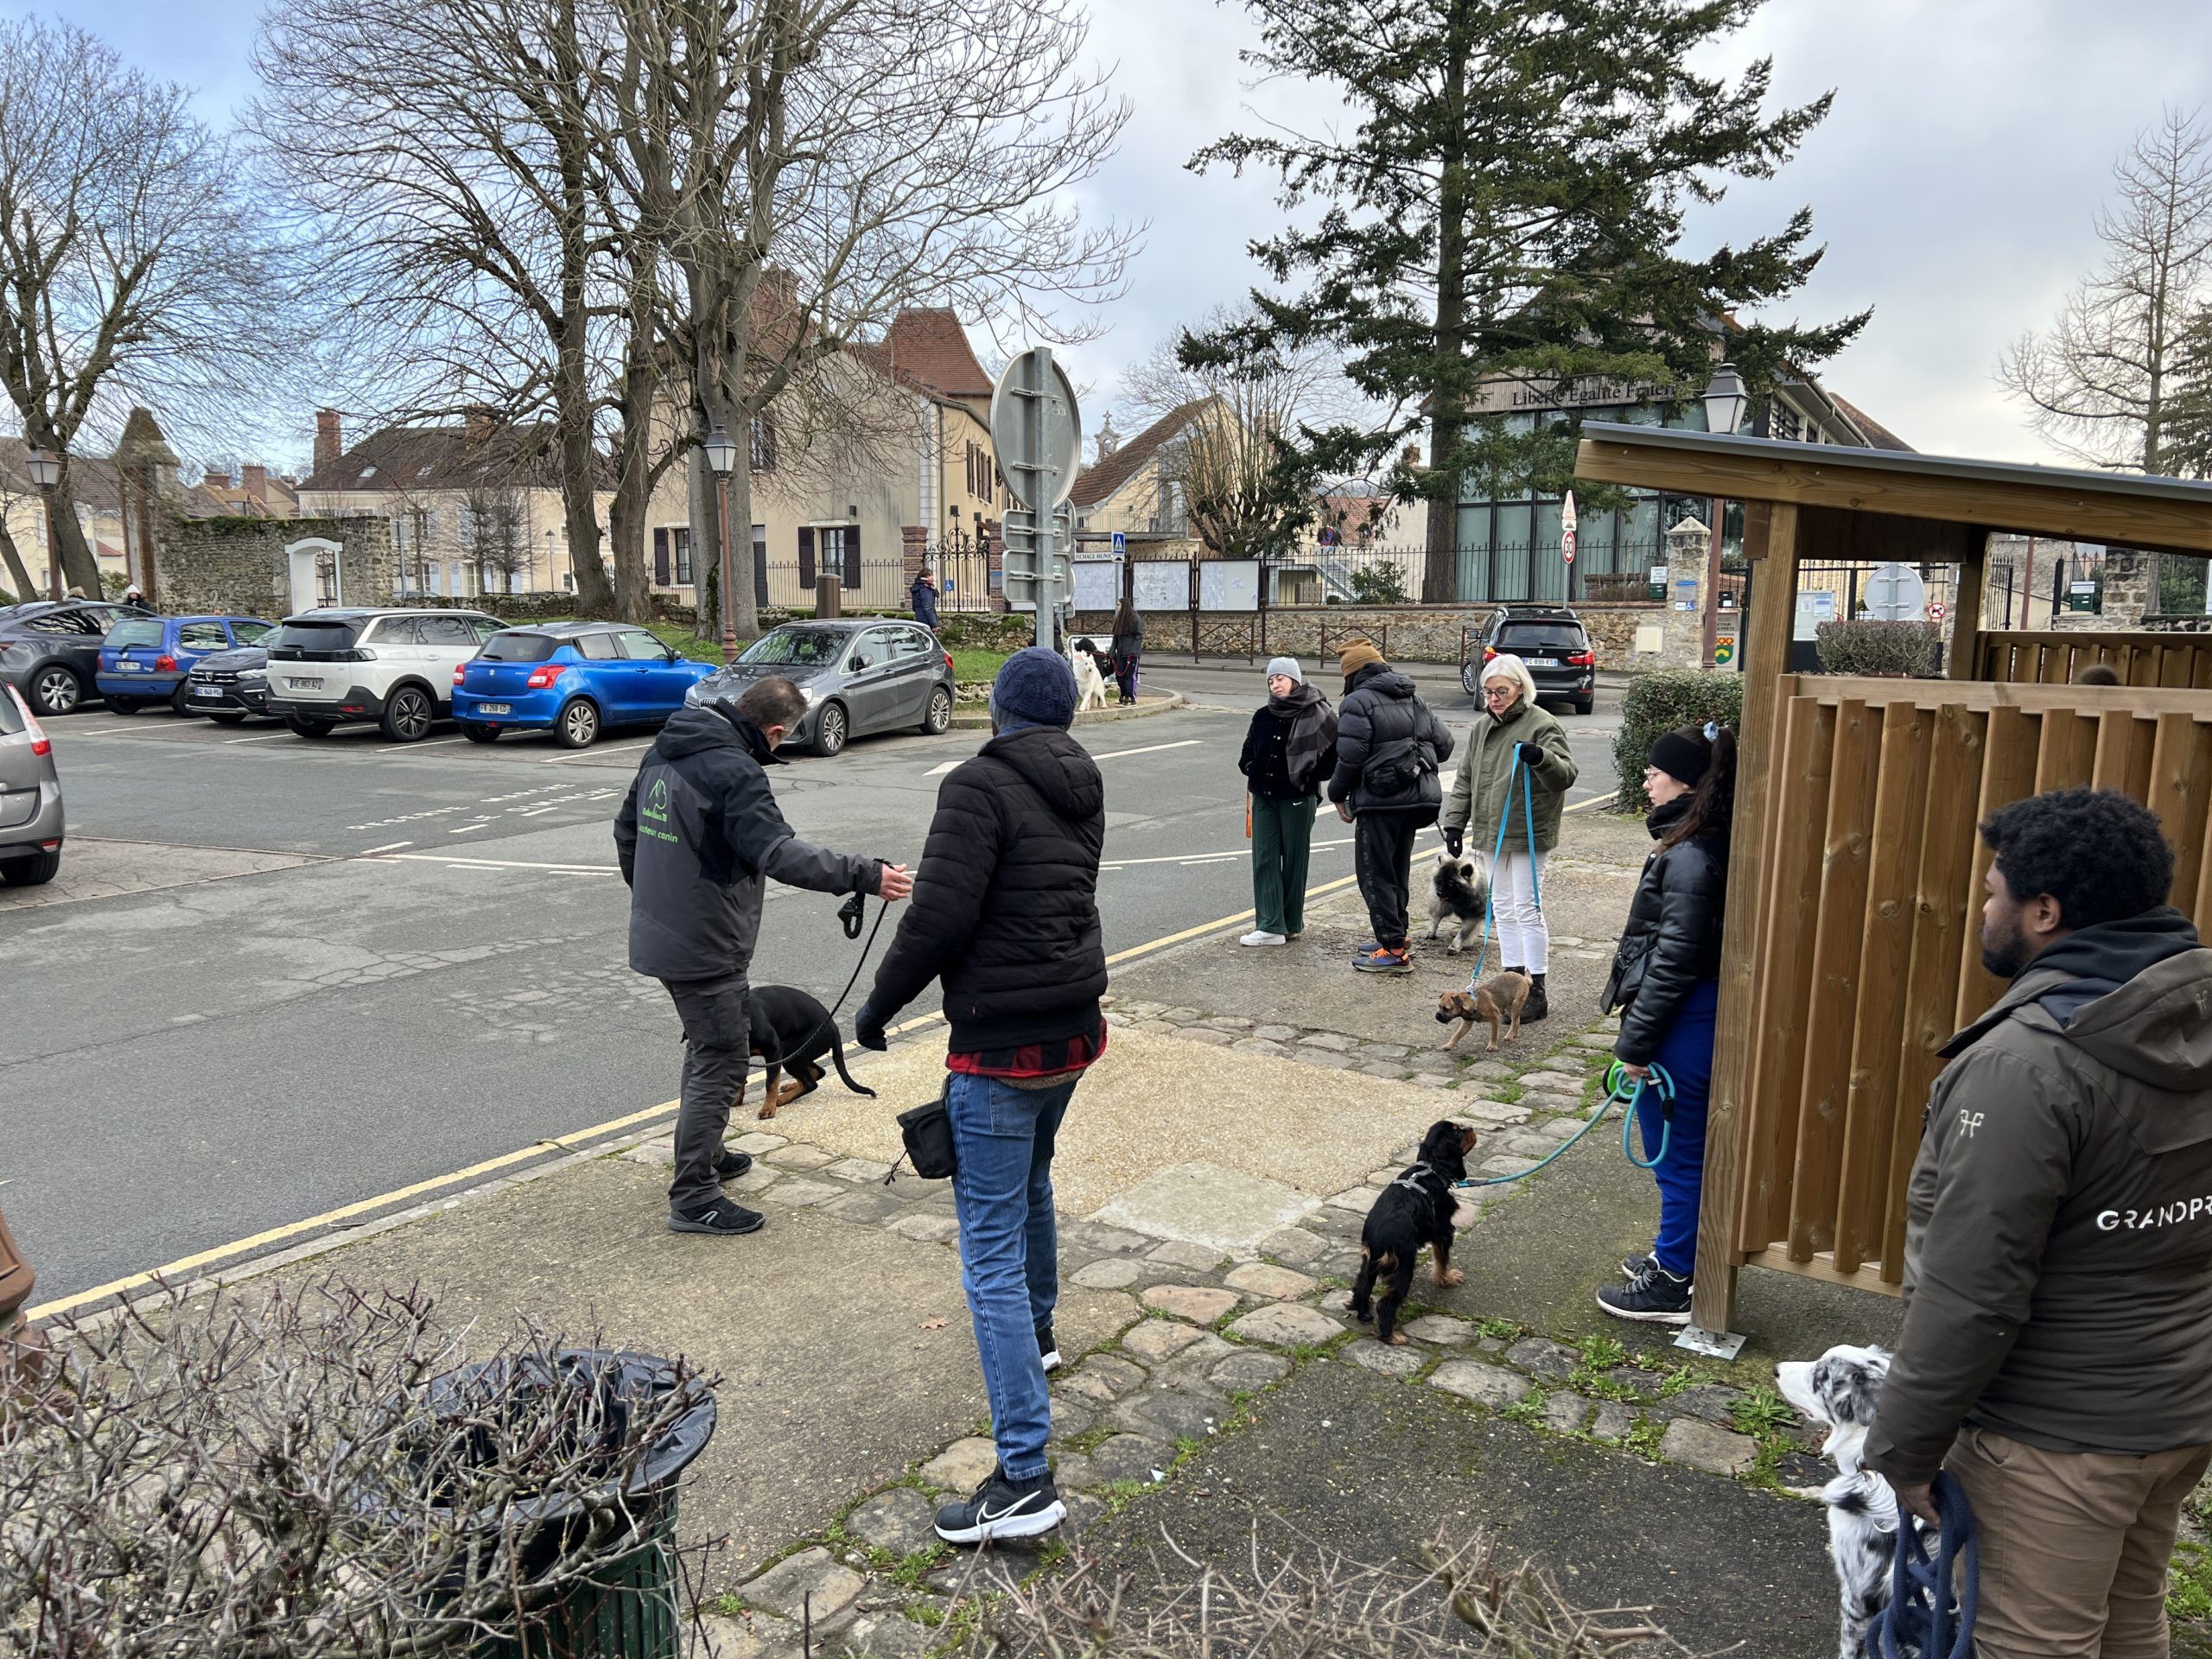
279	978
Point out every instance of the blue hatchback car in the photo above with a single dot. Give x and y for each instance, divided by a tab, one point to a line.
144	659
574	678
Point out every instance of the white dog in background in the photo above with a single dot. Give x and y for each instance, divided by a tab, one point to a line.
1839	1388
1089	683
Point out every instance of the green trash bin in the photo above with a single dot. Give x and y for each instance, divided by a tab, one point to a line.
627	1608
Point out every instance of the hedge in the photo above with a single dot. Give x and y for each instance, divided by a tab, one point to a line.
1659	703
1894	650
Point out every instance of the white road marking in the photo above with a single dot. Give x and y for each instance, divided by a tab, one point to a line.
506	864
419	743
97	731
1149	748
597	749
479	824
939	772
266	737
389	847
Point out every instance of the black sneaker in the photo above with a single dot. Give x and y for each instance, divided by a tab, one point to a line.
1654	1296
731	1164
720	1216
1003	1508
1634	1267
1048	1348
1538	1006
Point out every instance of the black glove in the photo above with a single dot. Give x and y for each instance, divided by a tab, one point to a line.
1532	754
1454	839
867	1029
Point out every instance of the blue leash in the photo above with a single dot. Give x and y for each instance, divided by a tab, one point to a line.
1920	1622
1661	1082
1489	888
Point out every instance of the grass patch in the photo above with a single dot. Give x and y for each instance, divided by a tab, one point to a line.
730	1604
2188	1591
1762	1412
1500	1330
1528	1410
969	666
1645	1437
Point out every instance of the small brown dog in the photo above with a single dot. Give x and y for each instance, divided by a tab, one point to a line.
1497	999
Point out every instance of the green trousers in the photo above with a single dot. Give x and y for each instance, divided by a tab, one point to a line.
1282	836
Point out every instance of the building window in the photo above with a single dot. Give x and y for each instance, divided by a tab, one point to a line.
839	549
680	541
764	444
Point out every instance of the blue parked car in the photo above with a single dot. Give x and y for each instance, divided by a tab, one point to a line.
145	659
575	678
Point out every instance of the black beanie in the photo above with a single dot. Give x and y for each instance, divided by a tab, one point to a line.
1684	753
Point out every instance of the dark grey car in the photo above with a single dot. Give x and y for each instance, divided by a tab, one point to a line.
861	675
50	651
31	796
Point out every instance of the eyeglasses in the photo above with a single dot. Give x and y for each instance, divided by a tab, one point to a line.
1500	693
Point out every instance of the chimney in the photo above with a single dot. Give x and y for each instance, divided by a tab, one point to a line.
329	438
255	477
477	425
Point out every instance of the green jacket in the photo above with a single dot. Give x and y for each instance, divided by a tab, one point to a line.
1479	793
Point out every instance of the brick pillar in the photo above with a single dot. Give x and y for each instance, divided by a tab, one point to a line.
994	553
1683	630
2128	595
913	550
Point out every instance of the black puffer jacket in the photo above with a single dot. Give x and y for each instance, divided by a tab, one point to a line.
1005	901
1673	938
1389	744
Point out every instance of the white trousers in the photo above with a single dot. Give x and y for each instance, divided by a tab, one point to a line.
1523	940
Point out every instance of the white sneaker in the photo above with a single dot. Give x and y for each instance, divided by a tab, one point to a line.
1264	939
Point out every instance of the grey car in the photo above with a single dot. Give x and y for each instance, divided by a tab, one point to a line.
859	675
31	796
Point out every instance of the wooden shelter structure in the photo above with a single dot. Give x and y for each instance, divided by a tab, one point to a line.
1851	952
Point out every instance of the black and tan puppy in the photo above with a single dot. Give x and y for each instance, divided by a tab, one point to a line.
792	1032
1498	999
1414	1210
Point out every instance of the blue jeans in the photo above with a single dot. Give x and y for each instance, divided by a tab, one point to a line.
1687	1053
1009	1249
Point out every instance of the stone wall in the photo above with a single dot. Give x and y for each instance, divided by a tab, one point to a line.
239	566
1411	633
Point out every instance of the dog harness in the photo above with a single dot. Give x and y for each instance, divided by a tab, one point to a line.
1411	1181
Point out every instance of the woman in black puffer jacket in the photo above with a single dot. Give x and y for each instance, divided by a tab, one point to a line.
1667	981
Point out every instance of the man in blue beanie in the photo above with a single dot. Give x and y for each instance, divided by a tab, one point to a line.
1006	914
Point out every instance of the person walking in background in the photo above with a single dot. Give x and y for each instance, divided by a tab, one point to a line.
925	597
1488	792
1389	745
1006	916
2056	1354
1128	646
699	838
1289	753
1666	979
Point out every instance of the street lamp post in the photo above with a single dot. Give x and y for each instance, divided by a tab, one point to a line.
721	455
1724	400
46	473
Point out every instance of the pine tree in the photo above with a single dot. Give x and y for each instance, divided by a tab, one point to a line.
1507	201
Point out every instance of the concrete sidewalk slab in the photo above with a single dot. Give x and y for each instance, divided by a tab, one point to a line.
1205	1203
845	1352
1152	1103
95	868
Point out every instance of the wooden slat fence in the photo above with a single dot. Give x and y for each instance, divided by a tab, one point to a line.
2176	661
1869	921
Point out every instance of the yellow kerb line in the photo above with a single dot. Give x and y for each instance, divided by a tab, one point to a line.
565	1143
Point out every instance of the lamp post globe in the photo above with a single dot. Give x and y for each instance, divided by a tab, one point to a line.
721	452
1724	399
46	472
45	468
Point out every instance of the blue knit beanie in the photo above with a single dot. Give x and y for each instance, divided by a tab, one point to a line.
1035	687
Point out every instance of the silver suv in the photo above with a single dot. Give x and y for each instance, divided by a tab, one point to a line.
329	667
31	796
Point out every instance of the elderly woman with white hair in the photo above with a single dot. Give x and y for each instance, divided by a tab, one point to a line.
1489	794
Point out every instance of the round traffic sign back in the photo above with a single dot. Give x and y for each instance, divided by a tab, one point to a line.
1036	430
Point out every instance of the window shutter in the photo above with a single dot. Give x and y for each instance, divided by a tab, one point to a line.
806	560
852	556
760	564
660	558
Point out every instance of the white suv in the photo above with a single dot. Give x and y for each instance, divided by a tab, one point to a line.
396	667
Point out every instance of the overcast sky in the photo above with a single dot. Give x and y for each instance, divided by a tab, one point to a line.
1954	183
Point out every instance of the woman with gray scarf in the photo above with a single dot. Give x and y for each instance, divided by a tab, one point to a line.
1288	754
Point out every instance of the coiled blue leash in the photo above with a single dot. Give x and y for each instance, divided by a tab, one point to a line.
1663	1091
1659	1080
1921	1622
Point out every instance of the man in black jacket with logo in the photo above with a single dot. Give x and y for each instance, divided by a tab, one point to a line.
1006	916
700	836
2057	1356
1389	744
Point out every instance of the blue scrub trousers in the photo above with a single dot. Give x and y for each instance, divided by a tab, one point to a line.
1686	1052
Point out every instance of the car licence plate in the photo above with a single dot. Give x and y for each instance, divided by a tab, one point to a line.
303	685
495	709
206	691
1543	662
130	667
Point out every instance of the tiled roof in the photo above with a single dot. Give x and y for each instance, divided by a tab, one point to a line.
91	477
928	347
1095	484
1878	435
408	459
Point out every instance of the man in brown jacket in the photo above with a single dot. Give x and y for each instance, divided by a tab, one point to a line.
2056	1355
